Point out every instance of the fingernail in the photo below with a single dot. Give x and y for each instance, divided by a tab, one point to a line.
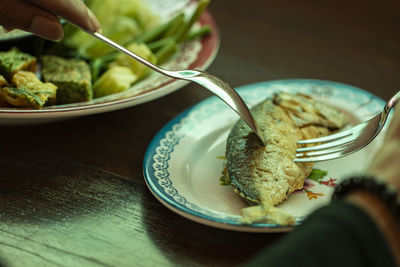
95	22
46	28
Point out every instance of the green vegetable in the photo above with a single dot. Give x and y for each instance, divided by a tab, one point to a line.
201	6
96	67
165	52
107	10
175	26
121	21
153	33
204	30
317	174
154	46
131	24
115	79
137	68
120	30
29	81
21	97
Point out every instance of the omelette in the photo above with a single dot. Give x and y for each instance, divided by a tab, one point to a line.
266	175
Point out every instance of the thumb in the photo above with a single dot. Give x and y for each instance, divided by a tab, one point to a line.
19	14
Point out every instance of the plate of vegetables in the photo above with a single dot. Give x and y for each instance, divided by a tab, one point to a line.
43	81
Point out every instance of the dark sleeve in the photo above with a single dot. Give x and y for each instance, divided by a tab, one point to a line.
339	234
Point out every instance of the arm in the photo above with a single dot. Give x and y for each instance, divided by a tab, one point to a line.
41	16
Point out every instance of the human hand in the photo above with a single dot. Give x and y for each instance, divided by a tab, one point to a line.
41	16
386	163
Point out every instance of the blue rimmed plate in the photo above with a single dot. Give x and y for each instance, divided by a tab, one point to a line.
184	161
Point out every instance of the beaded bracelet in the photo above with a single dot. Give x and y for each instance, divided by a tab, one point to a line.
364	182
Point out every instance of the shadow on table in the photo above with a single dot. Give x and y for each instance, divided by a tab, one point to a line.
62	170
194	243
38	187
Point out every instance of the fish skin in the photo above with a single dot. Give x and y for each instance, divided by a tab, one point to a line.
267	174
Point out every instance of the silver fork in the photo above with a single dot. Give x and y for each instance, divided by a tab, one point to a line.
218	87
345	142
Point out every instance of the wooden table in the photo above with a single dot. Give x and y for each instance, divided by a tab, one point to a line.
72	193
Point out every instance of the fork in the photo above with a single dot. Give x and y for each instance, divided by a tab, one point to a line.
345	142
214	84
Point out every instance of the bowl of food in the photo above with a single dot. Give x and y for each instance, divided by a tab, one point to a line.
81	75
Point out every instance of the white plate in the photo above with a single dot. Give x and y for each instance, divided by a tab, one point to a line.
196	54
183	162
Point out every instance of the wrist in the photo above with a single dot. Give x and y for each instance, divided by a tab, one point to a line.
379	201
383	218
385	192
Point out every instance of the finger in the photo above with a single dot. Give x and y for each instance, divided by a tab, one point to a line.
72	10
29	17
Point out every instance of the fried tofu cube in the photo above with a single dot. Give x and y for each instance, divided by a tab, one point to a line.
15	60
28	80
20	97
71	76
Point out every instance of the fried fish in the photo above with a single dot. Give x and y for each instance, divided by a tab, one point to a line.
267	175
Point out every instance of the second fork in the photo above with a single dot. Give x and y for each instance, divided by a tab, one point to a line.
345	142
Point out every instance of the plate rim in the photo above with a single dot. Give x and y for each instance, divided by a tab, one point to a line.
207	219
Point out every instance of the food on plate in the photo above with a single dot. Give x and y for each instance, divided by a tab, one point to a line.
82	67
14	60
135	27
137	68
29	81
266	175
71	76
121	21
23	88
3	81
115	79
20	97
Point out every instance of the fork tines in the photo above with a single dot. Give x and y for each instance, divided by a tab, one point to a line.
327	147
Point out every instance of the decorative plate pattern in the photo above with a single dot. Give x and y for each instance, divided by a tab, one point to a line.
183	162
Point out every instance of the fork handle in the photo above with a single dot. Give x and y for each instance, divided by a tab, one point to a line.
122	49
388	106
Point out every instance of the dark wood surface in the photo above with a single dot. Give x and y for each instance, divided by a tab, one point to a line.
72	193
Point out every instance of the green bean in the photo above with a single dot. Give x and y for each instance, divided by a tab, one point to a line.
162	39
204	30
153	33
201	6
107	58
99	64
166	51
174	29
96	67
154	46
